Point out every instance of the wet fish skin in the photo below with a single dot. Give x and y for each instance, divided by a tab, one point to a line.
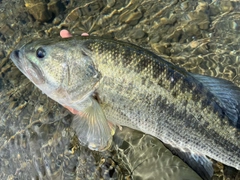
57	75
139	89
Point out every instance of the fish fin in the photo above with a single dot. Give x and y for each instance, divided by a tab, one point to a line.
227	94
92	127
72	110
199	163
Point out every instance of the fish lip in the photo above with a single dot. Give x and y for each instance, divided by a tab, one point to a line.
16	58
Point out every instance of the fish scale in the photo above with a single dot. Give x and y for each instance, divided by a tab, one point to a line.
112	83
182	110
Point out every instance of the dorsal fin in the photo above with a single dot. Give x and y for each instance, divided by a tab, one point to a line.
227	94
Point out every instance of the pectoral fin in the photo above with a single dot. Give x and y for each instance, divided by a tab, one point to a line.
92	127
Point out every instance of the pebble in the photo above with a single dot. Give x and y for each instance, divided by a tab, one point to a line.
137	34
38	9
6	30
55	6
130	17
1	54
226	6
57	20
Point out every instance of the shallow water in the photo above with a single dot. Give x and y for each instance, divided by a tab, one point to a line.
35	138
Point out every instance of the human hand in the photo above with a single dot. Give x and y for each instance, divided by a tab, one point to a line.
66	34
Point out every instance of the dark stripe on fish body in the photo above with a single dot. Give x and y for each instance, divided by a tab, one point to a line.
206	101
126	58
142	64
161	71
189	120
159	101
157	70
187	84
199	92
173	77
91	44
101	49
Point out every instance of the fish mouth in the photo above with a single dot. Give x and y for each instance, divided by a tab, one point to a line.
15	57
28	68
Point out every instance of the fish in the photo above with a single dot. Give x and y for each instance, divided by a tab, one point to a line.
108	84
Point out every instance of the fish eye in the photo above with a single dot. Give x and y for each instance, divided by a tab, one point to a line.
40	52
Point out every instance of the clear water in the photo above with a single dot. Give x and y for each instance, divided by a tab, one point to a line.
35	139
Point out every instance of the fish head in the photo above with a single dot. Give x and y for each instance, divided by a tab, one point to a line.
59	67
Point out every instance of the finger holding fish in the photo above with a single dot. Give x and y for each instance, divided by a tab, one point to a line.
66	34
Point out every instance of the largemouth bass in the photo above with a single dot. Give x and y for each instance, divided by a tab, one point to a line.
108	83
